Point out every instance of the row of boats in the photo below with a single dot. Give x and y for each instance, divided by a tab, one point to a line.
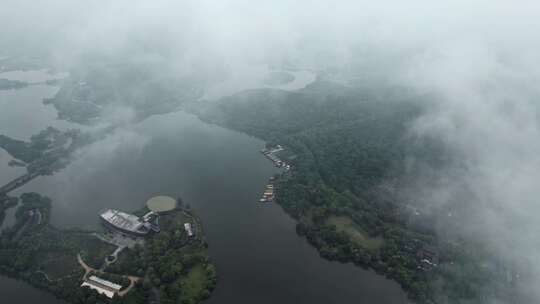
270	153
268	194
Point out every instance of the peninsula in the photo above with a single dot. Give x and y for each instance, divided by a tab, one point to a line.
110	266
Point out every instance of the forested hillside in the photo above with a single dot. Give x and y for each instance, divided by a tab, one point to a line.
348	149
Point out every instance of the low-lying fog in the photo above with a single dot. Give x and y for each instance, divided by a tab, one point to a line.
479	59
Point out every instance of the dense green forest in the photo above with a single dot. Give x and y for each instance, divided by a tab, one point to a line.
348	150
172	264
44	256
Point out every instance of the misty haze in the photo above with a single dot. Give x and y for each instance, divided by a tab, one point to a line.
270	152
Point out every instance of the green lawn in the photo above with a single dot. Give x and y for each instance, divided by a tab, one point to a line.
346	224
195	283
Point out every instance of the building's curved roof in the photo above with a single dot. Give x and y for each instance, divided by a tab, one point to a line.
161	203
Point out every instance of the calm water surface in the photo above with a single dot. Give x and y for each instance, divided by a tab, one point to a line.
15	291
22	112
220	173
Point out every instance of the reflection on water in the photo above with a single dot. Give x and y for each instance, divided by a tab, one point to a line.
220	173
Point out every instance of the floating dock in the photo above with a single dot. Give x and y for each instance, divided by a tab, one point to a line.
270	153
268	194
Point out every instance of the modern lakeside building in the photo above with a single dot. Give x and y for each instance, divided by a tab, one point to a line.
129	223
102	286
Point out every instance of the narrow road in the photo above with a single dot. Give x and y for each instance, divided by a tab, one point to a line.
132	281
86	268
18	182
45	275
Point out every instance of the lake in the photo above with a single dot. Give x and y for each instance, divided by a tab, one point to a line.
22	112
15	291
221	174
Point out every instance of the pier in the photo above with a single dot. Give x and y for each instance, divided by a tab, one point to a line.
271	154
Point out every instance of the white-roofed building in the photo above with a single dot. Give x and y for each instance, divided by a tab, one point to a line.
187	227
102	286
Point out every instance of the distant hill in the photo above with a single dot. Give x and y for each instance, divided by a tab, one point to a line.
350	151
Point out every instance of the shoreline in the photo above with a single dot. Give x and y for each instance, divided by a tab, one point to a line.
74	267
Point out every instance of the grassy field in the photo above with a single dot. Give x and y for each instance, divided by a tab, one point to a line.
346	224
194	283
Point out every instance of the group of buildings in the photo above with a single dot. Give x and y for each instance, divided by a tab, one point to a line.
270	153
130	224
102	286
428	258
135	227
